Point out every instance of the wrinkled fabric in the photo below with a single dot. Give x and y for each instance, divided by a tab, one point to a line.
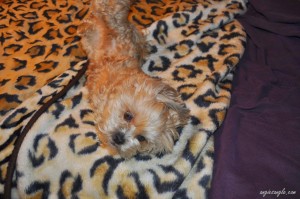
258	145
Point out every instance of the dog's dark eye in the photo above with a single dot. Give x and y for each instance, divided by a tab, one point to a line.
140	138
128	116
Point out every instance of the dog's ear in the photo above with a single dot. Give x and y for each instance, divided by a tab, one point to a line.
178	116
171	98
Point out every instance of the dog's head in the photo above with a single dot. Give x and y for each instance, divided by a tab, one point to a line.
142	117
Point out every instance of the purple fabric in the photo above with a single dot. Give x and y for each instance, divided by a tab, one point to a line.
258	145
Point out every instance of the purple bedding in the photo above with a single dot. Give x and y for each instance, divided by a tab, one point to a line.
258	146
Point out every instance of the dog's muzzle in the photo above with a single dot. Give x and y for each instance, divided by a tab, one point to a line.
118	138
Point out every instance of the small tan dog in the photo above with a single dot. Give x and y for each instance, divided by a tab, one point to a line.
134	113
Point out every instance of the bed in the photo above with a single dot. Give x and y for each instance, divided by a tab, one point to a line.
48	140
257	148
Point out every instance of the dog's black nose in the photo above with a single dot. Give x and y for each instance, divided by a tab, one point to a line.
119	138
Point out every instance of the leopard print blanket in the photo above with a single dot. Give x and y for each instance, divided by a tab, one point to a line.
46	123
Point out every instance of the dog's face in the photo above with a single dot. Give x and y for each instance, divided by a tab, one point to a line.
142	117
